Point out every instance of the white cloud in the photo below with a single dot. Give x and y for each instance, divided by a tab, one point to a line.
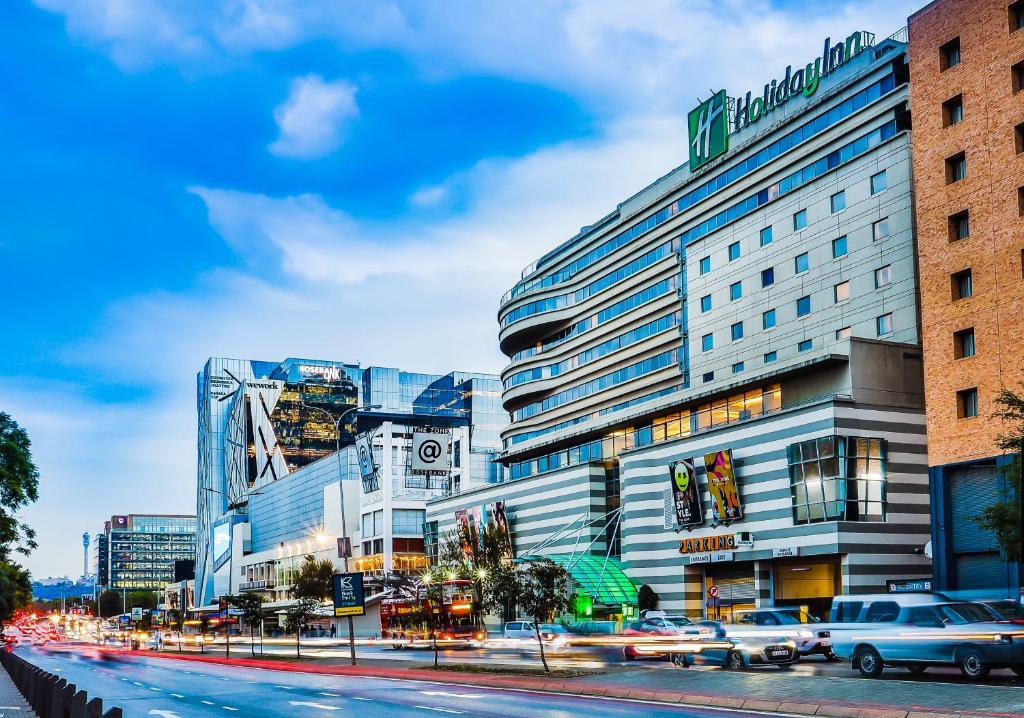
312	120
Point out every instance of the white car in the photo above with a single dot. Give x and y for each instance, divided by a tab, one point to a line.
519	629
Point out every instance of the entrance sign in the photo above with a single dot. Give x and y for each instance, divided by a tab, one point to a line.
349	598
429	452
685	495
911	585
786	552
709	130
725	496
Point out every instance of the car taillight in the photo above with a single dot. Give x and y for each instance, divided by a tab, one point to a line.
479	636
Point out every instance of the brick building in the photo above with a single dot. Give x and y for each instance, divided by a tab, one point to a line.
966	63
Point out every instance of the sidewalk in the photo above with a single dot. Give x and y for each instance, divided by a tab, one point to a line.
12	704
760	691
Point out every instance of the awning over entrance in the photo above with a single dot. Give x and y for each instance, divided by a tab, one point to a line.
603	579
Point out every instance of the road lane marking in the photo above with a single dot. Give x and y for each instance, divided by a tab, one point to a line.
287	688
360	698
209	703
177	695
136	683
452	695
318	706
331	695
154	688
441	710
225	679
229	708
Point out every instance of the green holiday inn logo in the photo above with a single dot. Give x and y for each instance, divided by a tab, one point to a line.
709	130
709	121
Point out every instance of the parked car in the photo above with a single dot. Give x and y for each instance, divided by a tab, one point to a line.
749	646
660	626
962	634
519	629
1006	609
793	623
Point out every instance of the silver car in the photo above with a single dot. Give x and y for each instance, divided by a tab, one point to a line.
750	646
960	634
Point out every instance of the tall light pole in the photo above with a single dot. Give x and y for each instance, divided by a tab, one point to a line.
341	489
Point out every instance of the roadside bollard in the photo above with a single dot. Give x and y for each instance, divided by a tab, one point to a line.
77	704
94	708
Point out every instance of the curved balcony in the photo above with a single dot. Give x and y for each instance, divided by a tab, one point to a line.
530	329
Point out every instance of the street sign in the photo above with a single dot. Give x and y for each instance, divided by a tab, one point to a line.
349	599
713	591
137	613
913	585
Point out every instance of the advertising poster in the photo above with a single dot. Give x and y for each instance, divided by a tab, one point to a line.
429	452
685	494
349	597
497	517
463	523
364	453
725	496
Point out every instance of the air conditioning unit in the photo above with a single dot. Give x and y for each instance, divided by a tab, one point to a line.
744	538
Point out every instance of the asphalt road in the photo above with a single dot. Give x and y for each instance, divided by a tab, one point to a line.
181	689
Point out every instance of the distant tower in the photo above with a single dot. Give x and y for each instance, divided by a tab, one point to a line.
85	555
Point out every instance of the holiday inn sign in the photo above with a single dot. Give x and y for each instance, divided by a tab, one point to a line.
709	122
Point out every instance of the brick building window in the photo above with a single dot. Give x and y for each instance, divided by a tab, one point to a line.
1016	12
963	343
949	54
1018	138
967	403
1017	76
1020	201
956	167
959	226
953	111
962	284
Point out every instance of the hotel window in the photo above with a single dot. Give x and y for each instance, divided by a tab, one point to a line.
880	229
949	54
844	333
735	291
959	226
962	284
883	276
1017	76
705	303
768	277
878	182
805	345
883	324
734	251
956	167
766	236
963	343
801	263
768	319
800	219
838	478
1016	15
967	403
803	306
953	111
737	331
737	367
770	357
1018	138
708	376
705	265
839	247
841	292
838	201
707	342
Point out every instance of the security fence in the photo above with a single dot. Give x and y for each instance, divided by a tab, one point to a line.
50	695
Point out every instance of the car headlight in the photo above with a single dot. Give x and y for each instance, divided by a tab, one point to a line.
1000	638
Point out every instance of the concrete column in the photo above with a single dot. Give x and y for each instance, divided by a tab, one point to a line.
764	594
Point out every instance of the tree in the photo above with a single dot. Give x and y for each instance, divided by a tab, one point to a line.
15	589
646	598
299	615
540	587
315	579
251	607
1003	519
110	603
141	599
19	486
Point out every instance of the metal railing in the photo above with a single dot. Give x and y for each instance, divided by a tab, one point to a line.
50	695
257	585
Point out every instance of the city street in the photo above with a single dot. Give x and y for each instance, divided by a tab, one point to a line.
177	689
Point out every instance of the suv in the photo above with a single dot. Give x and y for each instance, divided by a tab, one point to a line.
960	634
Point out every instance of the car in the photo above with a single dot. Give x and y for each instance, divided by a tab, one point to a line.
519	629
1006	609
746	646
962	634
660	626
794	623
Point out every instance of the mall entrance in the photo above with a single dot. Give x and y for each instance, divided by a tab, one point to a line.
734	584
808	584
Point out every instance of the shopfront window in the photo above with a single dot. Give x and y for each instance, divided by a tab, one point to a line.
838	478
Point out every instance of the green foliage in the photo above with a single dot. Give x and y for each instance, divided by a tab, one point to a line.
15	589
142	599
1003	518
298	615
646	598
110	603
314	579
19	486
251	607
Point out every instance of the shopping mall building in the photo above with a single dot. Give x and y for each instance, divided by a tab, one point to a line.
280	477
716	389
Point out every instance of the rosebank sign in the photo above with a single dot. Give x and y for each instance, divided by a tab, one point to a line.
709	124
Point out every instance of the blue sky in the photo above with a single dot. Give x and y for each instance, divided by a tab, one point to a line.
356	181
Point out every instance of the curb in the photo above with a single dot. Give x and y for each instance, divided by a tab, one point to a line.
832	709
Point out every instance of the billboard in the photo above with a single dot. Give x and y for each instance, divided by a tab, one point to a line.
725	496
364	453
429	455
685	494
497	519
349	598
467	534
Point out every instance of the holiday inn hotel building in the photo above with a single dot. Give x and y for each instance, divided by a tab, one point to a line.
748	321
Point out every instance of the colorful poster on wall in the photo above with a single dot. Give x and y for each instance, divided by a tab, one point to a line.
725	495
686	496
498	520
463	524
